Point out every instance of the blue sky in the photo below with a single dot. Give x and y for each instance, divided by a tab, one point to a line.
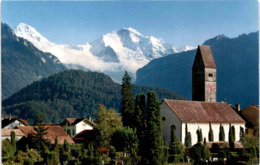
176	22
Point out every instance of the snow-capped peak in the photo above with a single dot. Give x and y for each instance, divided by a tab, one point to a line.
185	48
25	31
132	31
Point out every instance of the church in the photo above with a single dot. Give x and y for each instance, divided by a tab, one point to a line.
203	109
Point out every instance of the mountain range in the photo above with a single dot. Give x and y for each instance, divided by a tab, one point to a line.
112	53
23	63
237	70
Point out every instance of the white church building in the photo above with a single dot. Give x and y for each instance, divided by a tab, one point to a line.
204	109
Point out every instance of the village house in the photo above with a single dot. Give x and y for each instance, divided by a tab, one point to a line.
73	126
12	123
204	109
251	115
6	134
52	132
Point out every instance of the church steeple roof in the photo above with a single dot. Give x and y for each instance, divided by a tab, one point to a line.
205	53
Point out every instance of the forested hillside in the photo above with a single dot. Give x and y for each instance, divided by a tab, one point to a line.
22	63
71	93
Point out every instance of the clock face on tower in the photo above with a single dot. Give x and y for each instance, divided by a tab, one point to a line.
212	87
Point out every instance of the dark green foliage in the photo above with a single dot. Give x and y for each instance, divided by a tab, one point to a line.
187	142
112	152
124	139
221	133
127	101
165	153
13	141
154	130
199	153
22	63
139	117
173	135
8	149
72	93
231	137
232	57
199	135
38	140
66	146
242	134
211	135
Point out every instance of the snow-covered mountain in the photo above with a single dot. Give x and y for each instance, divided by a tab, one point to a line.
112	53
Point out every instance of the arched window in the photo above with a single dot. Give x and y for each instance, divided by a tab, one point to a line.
163	118
210	75
68	131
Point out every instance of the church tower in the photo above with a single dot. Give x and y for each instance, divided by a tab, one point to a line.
204	76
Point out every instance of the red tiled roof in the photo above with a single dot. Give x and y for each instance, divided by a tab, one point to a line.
7	121
251	115
7	132
206	55
48	124
224	145
74	121
203	112
52	132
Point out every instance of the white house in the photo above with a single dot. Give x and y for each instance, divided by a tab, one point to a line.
73	126
12	123
6	134
198	115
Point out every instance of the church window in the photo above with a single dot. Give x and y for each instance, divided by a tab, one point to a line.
163	118
210	75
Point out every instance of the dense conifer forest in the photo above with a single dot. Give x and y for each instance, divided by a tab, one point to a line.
71	93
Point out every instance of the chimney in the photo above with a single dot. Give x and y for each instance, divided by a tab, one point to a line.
254	103
89	119
10	117
237	107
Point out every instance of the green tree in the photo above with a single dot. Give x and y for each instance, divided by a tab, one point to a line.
211	135
199	135
221	133
107	123
13	141
176	150
154	130
139	117
187	137
231	137
38	134
242	134
127	101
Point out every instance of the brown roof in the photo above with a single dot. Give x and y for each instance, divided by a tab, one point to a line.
205	53
224	144
52	132
48	124
251	115
203	112
85	136
7	132
9	120
74	121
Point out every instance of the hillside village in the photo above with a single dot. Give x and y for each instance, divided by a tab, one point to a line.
147	131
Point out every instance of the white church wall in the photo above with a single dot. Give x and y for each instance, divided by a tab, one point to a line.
192	128
170	119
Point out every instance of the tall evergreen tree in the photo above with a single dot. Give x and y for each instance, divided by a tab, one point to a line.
154	130
38	134
173	135
187	137
199	135
211	135
231	137
242	134
139	117
127	101
221	133
13	141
